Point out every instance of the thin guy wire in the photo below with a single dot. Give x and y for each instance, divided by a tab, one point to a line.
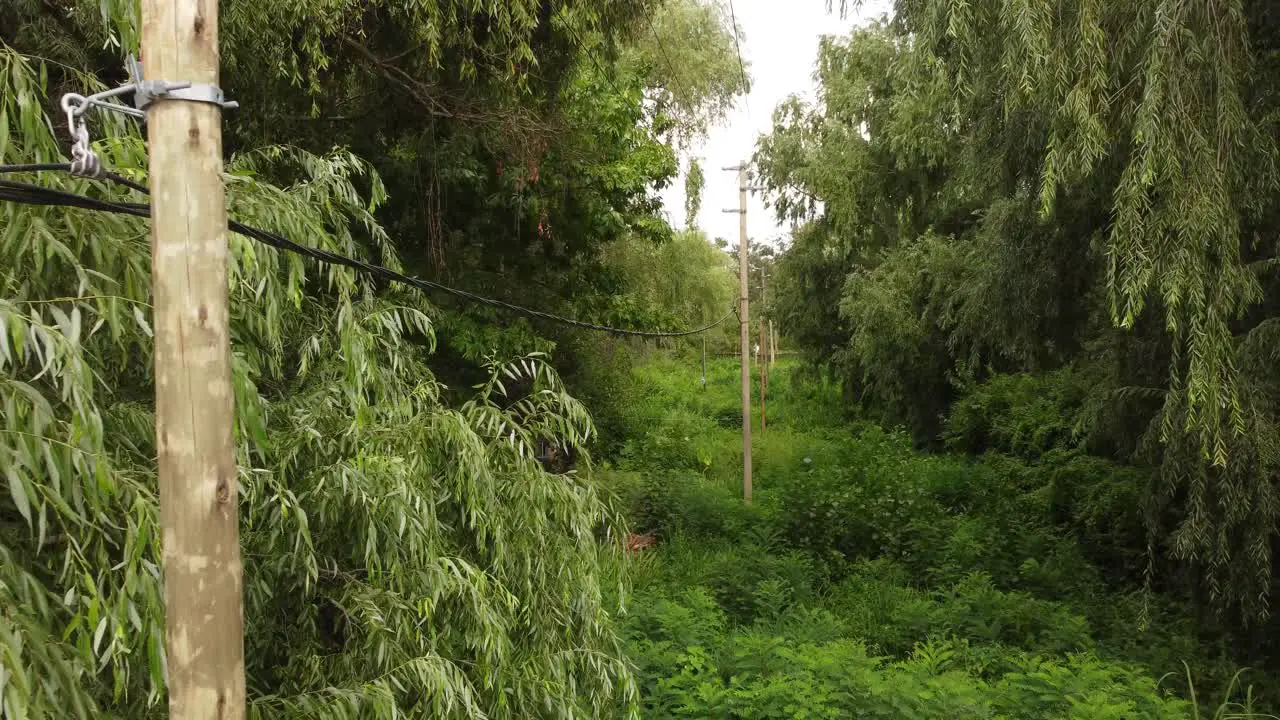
671	67
595	61
25	193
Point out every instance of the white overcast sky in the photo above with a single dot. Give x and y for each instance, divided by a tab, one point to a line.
781	47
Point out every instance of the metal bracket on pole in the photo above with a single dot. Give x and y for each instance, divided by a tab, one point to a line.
84	161
146	92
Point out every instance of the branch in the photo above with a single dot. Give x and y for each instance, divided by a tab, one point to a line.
428	96
405	81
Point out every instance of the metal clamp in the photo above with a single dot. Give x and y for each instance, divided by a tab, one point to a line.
145	92
84	161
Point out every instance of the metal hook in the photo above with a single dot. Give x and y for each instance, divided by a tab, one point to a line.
83	160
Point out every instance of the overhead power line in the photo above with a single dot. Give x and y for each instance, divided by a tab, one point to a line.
25	193
657	39
594	60
66	167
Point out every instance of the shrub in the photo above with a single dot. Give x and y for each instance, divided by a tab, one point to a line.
753	584
968	574
681	440
599	372
667	642
748	580
894	617
683	504
762	673
1019	414
867	503
1101	504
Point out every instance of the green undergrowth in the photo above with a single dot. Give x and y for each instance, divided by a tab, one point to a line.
870	580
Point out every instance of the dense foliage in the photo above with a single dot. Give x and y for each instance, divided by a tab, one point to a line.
871	580
405	553
1034	239
401	555
1084	191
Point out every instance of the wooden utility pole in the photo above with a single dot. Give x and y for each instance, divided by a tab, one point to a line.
769	346
764	376
773	345
704	362
743	320
204	623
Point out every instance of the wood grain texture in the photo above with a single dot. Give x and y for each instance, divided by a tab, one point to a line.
194	400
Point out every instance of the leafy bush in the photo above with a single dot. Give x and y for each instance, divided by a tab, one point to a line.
860	502
874	496
1035	417
599	372
683	504
892	616
994	586
729	417
1019	414
692	666
679	441
1101	504
749	581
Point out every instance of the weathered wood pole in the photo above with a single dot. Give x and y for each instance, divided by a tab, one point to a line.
204	623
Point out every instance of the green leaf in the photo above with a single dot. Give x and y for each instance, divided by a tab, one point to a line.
18	491
4	132
140	318
98	632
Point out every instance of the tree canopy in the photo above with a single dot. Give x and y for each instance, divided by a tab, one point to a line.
994	187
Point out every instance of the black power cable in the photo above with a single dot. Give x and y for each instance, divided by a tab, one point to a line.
25	193
66	167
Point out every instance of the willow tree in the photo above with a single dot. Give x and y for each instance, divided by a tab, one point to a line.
687	53
514	139
402	557
1035	183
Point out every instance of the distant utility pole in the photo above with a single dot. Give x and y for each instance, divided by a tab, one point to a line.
773	345
764	375
770	344
204	621
743	320
704	362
